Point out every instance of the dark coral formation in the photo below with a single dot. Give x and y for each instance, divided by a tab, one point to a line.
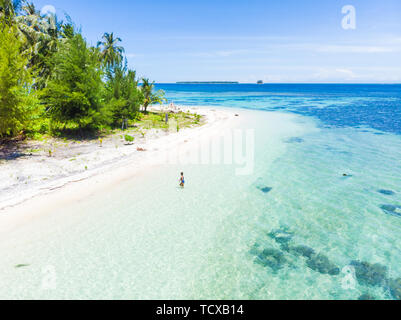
261	186
282	235
395	288
386	192
367	274
275	259
272	258
391	209
366	296
370	274
301	250
265	189
322	264
294	140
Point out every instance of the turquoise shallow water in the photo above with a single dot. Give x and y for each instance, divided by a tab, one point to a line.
227	236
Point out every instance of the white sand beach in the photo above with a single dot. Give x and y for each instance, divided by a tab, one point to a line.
33	184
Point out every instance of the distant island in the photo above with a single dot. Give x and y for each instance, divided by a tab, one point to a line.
207	82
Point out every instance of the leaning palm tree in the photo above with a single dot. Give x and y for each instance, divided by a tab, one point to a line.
8	8
111	53
42	34
150	97
29	9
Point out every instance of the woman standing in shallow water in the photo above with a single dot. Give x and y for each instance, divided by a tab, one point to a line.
182	180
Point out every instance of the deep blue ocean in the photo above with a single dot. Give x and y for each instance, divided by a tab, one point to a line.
363	106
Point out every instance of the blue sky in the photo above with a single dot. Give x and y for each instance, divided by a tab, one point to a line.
248	40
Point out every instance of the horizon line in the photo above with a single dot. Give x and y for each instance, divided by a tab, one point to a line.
265	83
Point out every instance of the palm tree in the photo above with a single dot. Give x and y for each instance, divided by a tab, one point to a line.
67	30
149	96
8	8
43	35
111	53
30	10
53	30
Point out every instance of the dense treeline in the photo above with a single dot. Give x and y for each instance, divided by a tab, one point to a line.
52	79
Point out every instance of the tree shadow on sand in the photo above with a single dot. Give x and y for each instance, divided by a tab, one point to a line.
81	135
11	149
20	147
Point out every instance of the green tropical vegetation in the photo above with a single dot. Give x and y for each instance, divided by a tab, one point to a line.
149	96
111	53
52	80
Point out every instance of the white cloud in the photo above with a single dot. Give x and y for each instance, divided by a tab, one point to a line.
339	74
350	74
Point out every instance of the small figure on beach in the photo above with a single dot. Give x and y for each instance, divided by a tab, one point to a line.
182	180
